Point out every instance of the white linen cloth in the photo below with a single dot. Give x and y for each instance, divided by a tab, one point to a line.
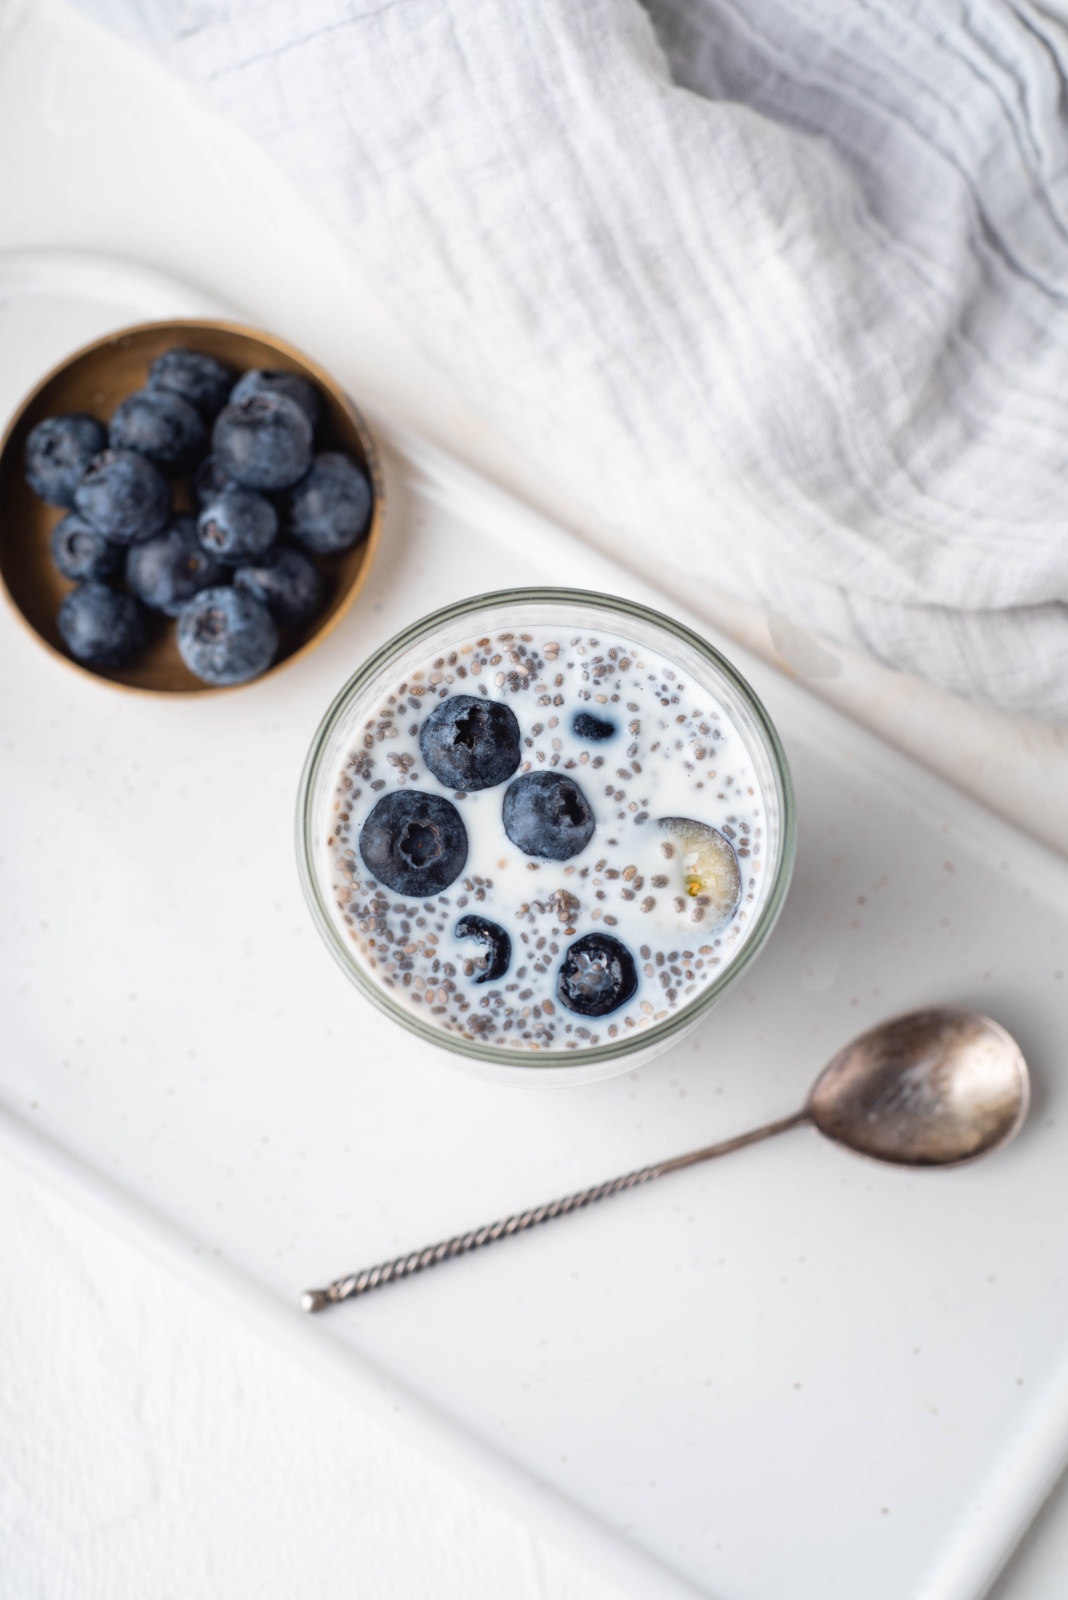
779	289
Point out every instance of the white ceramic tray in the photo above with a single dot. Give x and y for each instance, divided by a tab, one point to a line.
793	1373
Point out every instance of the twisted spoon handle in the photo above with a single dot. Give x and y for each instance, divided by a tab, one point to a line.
461	1244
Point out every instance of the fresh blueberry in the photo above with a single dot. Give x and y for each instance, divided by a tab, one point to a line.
124	496
161	425
546	814
80	552
264	441
262	380
589	727
597	975
331	508
58	451
497	952
99	625
414	843
166	571
707	866
225	636
197	377
287	582
210	481
238	526
469	743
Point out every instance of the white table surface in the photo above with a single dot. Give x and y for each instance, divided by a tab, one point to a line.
151	1445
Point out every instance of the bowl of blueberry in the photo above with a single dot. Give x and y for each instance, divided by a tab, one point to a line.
186	507
546	830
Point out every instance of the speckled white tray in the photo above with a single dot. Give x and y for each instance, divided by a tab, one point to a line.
793	1373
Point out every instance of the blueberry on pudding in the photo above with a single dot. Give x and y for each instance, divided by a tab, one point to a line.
496	947
546	814
594	729
470	744
414	843
597	975
704	865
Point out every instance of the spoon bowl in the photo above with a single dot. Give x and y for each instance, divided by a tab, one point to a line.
931	1089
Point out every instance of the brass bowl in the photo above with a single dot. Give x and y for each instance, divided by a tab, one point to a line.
95	379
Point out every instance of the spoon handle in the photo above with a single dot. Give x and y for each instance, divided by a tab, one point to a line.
462	1243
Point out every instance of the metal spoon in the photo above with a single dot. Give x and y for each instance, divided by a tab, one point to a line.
929	1089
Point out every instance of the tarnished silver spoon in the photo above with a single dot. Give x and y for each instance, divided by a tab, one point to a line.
929	1089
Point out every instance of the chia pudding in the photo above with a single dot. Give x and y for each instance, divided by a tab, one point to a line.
548	837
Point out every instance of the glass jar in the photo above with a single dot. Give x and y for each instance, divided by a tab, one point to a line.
571	612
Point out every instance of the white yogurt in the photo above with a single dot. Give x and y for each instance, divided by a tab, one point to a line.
674	754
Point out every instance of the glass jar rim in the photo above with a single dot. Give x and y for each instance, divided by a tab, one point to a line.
642	1041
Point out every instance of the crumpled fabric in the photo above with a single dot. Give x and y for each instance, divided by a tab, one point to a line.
780	290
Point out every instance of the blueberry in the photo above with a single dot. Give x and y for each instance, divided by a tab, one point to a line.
210	481
469	743
124	496
587	726
169	569
238	526
707	865
263	380
58	451
498	946
414	843
546	814
331	508
80	552
225	636
197	377
287	582
264	441
101	626
161	425
597	975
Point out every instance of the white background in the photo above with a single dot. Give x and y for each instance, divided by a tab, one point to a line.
151	1446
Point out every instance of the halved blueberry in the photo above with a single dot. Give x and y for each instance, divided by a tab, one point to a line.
497	951
415	843
587	726
546	814
159	424
707	865
58	451
469	743
597	975
80	552
124	496
101	626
